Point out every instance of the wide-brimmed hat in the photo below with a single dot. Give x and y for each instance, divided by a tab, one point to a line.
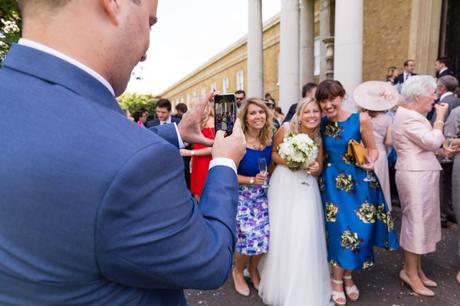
376	96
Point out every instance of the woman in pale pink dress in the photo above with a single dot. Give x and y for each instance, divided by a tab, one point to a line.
375	98
417	177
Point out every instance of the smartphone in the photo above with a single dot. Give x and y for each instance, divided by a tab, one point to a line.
224	113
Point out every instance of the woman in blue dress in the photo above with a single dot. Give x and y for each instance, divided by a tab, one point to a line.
252	224
357	216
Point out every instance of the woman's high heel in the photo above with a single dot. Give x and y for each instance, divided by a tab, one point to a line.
351	290
337	295
405	280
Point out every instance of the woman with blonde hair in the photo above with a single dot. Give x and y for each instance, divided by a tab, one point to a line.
295	270
252	223
201	154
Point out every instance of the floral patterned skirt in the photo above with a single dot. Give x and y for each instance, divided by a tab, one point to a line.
252	223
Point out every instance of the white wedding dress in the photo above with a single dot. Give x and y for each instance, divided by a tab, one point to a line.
295	272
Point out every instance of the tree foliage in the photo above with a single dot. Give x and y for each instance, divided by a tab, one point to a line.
10	25
133	102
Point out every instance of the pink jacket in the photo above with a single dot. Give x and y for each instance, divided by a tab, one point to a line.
415	141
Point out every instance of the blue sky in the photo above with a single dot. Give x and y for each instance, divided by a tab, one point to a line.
188	34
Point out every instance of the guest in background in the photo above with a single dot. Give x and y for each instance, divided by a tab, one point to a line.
308	90
392	73
279	115
442	67
357	216
200	154
271	105
445	88
409	71
375	98
181	109
452	131
240	95
163	114
141	117
252	224
417	177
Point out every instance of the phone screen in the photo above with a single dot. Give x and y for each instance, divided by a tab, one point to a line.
224	113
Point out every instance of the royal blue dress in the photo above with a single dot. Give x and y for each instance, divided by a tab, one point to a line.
252	222
357	216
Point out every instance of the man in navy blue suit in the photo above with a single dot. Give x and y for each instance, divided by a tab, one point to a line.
94	209
163	114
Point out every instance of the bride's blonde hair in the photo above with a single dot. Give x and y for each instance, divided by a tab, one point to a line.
296	122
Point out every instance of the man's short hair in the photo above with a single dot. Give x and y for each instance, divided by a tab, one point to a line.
35	4
443	60
307	87
450	82
164	103
240	91
406	62
181	107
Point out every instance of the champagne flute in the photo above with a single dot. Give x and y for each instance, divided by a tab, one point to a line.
447	144
369	177
263	169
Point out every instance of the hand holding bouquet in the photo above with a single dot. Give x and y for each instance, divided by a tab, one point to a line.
298	150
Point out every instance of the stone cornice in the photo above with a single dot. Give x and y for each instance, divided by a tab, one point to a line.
176	87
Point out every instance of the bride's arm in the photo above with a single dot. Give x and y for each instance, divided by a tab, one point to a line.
279	136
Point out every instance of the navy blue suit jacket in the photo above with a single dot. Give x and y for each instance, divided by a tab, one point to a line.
156	122
94	209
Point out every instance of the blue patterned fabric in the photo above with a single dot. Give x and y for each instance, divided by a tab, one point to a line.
252	223
357	216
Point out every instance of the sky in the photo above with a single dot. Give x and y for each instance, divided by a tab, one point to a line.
188	34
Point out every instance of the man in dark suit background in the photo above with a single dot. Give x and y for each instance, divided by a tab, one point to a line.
308	90
95	210
163	114
445	88
409	70
442	67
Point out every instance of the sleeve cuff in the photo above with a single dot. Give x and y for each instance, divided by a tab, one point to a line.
179	139
222	161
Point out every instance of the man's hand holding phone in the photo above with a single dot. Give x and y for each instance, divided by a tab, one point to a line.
233	146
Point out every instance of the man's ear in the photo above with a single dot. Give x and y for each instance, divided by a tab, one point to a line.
112	10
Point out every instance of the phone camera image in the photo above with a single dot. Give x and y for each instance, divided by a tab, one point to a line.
224	113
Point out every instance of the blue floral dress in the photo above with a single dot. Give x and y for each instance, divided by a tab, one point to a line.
357	216
252	226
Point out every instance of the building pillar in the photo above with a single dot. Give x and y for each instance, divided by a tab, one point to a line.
289	54
348	54
307	37
255	50
325	34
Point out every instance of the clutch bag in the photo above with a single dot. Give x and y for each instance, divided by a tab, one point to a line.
357	151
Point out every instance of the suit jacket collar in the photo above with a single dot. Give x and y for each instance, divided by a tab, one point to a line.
57	71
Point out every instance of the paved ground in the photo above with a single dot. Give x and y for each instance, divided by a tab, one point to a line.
379	286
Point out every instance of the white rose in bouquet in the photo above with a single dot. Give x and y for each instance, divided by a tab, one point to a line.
298	150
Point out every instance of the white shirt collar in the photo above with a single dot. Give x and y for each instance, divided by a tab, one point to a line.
442	70
33	44
167	120
446	94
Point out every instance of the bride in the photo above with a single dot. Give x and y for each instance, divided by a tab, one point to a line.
295	271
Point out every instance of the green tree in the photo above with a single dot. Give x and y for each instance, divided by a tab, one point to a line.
133	102
10	25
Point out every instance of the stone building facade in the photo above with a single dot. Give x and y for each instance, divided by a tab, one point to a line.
392	31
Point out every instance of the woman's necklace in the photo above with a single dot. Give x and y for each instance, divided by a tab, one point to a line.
253	143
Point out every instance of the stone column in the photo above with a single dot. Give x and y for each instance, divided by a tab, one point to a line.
307	56
348	57
255	50
324	34
289	54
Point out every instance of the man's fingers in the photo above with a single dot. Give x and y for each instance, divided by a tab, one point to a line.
219	135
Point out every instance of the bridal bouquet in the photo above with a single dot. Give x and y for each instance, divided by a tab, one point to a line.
298	150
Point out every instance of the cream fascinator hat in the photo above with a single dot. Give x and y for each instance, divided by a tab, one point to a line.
376	96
